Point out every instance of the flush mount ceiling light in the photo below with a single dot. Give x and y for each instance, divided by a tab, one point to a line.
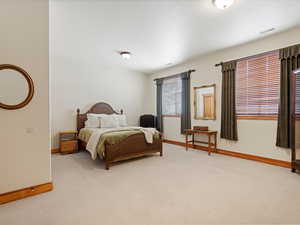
223	4
125	54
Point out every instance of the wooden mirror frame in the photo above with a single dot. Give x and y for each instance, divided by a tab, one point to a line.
30	87
195	102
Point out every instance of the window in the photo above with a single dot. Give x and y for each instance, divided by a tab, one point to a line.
257	86
171	97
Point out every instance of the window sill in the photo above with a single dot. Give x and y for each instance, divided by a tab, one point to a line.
172	116
271	117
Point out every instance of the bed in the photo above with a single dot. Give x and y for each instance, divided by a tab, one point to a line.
129	143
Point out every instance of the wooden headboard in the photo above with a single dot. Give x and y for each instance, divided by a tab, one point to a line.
99	108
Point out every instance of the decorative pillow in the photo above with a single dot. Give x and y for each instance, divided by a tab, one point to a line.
109	122
92	122
122	120
95	117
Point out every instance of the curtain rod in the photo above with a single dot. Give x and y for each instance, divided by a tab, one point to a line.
168	77
248	57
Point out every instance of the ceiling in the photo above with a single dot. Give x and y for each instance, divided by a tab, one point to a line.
158	32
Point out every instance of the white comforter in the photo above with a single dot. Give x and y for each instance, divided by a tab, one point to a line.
98	132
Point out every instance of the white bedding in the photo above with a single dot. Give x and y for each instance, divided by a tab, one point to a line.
98	132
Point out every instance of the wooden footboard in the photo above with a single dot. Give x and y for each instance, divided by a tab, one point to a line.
131	147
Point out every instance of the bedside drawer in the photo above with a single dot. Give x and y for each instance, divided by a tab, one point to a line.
68	137
68	146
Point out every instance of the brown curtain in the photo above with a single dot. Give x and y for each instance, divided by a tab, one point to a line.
228	114
185	101
159	120
290	60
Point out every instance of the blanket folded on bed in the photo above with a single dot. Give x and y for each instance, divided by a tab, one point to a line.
96	137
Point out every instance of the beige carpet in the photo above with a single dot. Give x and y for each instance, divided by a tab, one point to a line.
179	188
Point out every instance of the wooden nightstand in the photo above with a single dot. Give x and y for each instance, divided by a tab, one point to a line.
68	142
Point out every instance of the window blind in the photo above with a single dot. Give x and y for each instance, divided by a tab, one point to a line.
258	85
171	96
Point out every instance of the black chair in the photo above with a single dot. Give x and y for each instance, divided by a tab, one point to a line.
148	121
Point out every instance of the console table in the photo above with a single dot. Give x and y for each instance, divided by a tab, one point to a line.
209	134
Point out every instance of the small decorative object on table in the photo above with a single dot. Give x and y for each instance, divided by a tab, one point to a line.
200	128
68	142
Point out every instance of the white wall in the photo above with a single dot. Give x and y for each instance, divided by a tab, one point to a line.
24	133
78	89
255	136
81	78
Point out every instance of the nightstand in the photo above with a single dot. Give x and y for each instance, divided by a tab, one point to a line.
68	142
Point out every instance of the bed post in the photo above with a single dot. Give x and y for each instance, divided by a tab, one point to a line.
106	156
107	165
161	141
77	127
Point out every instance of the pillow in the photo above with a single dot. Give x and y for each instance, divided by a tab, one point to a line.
92	118
94	115
92	122
109	122
122	120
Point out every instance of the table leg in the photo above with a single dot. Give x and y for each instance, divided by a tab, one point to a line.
186	142
193	140
209	145
215	142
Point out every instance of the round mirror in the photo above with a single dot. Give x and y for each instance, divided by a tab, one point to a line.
16	87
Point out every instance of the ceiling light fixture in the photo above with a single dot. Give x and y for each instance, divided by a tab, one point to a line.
125	54
223	4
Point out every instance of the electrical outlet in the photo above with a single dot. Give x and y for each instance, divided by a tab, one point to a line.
29	130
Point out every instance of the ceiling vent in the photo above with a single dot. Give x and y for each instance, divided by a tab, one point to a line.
267	31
